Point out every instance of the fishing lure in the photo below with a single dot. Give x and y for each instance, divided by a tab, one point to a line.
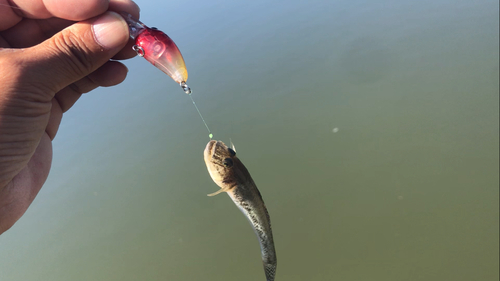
161	51
157	48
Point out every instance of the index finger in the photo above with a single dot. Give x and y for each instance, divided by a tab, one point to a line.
75	10
13	11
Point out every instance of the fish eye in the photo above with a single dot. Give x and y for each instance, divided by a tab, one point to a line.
228	162
232	152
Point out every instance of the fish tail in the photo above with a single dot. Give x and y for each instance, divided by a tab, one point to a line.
270	270
268	253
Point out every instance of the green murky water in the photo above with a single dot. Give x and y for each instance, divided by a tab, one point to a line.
370	128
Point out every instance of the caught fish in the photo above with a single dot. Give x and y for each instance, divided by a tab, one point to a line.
232	177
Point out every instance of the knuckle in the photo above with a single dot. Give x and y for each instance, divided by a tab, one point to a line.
77	55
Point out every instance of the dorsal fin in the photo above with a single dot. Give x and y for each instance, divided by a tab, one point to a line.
232	145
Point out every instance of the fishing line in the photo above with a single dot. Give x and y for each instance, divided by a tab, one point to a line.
210	135
187	90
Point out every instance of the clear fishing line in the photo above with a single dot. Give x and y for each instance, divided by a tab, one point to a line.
210	135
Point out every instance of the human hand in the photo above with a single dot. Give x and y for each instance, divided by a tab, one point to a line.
51	51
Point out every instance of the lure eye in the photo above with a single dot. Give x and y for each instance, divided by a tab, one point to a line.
231	152
228	162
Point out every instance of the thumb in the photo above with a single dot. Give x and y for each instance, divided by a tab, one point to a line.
73	53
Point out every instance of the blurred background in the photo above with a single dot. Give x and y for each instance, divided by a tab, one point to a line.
370	127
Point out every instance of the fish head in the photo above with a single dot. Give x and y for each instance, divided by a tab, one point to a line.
222	163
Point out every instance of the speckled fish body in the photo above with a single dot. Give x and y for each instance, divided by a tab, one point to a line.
232	177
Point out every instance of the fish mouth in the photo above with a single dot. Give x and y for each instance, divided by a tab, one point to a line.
210	150
210	158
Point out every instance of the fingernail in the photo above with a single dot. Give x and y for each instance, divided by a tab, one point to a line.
110	30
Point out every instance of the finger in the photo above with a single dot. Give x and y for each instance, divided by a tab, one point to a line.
75	10
30	32
132	8
67	97
128	6
8	16
71	54
54	120
127	52
110	74
13	12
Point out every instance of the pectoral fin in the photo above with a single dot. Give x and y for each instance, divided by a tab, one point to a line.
219	191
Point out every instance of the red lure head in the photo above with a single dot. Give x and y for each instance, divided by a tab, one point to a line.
157	48
161	51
